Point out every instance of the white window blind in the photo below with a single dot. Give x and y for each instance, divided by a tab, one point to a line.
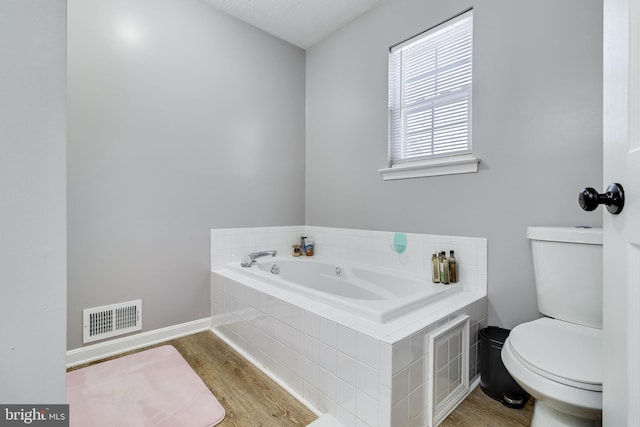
430	78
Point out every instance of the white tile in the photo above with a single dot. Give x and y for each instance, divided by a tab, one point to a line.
400	386
384	407
385	364
312	349
326	405
283	355
482	261
473	333
367	379
400	413
347	341
311	373
262	239
312	324
296	340
419	420
482	308
310	394
416	375
282	372
416	346
368	350
472	355
400	355
367	408
346	395
327	358
347	418
244	239
416	402
346	368
296	317
297	384
468	274
284	333
327	383
328	332
296	364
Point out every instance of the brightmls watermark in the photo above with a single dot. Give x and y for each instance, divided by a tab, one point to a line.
34	415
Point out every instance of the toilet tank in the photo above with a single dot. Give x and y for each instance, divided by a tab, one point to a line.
567	263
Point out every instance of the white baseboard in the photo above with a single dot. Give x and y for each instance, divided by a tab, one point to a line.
86	354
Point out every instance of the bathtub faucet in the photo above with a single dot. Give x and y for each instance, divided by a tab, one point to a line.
251	258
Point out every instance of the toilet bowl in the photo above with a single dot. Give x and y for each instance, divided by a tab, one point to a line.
558	359
560	365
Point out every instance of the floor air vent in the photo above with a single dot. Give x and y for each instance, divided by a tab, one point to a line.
111	320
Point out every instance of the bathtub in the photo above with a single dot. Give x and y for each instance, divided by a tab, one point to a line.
374	294
355	331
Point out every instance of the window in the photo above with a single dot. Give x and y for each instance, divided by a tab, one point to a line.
430	88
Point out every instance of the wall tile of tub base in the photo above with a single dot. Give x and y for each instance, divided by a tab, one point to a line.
360	380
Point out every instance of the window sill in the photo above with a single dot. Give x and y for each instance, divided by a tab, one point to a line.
434	167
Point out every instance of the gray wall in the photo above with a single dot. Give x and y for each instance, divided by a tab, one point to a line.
537	128
32	201
180	119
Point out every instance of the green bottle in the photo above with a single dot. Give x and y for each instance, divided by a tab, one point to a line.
435	268
453	268
444	269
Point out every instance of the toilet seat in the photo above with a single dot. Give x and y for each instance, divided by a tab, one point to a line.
560	351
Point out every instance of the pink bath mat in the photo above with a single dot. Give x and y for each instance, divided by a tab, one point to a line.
155	387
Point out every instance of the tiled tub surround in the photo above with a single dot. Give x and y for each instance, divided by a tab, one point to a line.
362	372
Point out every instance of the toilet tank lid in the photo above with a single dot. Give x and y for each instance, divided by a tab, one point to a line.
585	235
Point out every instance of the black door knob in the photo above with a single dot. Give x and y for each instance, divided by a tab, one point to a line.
589	199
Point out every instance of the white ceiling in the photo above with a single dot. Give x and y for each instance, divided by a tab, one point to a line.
300	22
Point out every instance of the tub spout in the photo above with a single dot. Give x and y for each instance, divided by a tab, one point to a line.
251	258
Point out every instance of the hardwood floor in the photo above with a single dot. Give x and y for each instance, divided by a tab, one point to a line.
479	410
251	399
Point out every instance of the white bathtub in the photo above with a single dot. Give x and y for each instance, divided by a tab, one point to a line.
375	294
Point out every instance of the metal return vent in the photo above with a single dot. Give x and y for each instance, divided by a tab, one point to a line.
111	320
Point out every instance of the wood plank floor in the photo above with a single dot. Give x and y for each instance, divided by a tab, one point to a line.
479	410
251	399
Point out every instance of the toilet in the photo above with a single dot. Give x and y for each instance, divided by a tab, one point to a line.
558	359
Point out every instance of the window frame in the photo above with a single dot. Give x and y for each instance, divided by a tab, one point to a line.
458	160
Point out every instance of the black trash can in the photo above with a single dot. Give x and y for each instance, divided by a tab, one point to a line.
495	380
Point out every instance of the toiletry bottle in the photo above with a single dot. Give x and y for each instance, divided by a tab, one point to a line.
302	245
444	269
308	246
440	272
453	268
435	268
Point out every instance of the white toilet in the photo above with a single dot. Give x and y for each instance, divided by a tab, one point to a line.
558	359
